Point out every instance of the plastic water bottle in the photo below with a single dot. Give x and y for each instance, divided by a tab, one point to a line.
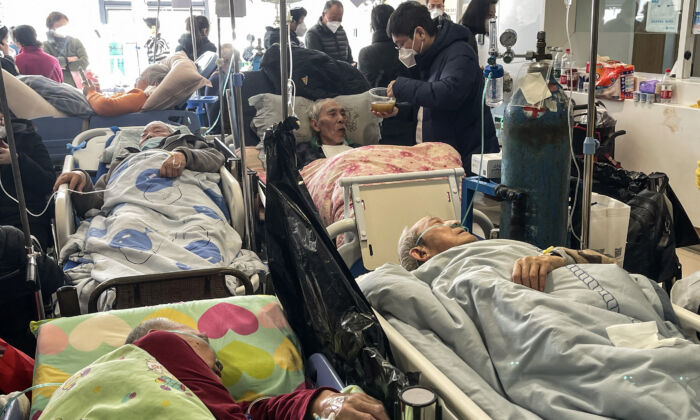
557	64
667	88
565	71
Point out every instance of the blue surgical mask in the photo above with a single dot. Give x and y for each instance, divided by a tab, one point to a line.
151	143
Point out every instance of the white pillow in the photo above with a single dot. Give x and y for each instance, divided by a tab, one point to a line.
24	102
362	126
182	80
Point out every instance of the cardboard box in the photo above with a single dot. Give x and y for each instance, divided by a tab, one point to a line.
490	168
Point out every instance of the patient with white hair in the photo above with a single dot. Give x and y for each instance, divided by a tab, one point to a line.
328	120
431	236
186	151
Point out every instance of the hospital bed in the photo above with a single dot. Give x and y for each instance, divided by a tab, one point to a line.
372	234
100	333
149	288
372	241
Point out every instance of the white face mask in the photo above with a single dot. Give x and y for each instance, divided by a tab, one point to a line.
435	13
3	132
333	25
301	29
408	55
61	32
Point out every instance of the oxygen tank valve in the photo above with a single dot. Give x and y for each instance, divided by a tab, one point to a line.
542	47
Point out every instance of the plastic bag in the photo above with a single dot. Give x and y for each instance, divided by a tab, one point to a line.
658	223
323	303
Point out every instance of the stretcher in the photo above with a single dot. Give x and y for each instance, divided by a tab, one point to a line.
88	158
372	241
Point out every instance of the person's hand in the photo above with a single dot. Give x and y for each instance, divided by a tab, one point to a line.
390	89
173	166
4	153
532	271
87	89
72	59
76	181
391	114
348	406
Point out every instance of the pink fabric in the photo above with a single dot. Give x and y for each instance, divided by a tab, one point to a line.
33	60
321	176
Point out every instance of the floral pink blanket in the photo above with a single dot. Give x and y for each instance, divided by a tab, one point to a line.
322	175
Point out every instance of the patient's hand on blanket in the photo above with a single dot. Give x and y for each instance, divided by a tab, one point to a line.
173	166
532	271
348	406
76	181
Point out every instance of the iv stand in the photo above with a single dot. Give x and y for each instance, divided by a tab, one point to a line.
237	83
192	32
590	143
284	59
32	277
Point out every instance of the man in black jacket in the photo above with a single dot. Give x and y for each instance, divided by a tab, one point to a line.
446	93
328	35
38	177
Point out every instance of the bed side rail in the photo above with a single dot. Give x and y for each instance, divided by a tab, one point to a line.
456	401
64	221
687	320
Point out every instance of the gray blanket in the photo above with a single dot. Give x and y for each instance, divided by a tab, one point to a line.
548	353
149	224
63	96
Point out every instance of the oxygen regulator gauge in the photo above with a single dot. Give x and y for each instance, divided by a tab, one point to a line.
509	38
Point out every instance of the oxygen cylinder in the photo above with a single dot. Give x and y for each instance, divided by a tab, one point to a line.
536	159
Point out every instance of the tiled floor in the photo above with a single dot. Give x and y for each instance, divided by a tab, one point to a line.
690	260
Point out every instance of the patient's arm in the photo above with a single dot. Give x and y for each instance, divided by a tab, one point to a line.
200	157
586	256
532	271
80	181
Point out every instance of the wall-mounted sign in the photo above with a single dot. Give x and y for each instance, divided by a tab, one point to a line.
663	16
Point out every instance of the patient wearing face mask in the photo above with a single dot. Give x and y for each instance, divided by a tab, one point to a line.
328	35
69	51
186	151
297	30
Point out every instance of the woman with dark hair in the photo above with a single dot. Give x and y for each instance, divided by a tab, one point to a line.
31	58
6	60
201	32
379	62
69	51
297	29
476	19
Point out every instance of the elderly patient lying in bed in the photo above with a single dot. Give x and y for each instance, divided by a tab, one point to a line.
157	210
527	335
184	381
431	236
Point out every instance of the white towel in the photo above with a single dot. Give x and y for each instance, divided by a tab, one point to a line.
639	335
